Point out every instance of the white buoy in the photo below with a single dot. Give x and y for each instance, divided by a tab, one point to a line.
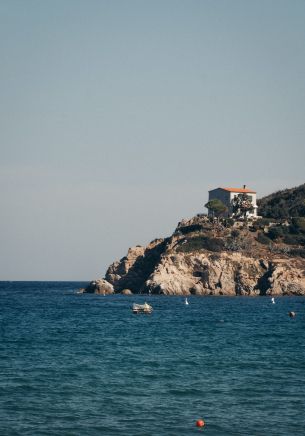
186	302
272	300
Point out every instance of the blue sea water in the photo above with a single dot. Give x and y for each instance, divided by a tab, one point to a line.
73	364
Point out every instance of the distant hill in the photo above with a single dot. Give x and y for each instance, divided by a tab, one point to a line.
283	204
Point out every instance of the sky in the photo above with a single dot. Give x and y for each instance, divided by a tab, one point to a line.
117	118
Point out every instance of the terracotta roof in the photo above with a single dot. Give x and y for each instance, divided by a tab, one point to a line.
241	190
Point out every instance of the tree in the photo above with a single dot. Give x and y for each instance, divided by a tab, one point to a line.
216	207
298	225
241	205
275	232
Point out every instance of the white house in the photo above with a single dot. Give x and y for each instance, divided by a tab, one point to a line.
226	195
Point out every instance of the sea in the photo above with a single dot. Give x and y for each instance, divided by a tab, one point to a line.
84	364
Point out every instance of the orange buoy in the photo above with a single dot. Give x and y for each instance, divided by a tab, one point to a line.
200	423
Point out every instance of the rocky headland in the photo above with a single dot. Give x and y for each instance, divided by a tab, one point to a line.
206	256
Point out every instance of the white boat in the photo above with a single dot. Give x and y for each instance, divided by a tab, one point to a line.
272	300
186	302
142	308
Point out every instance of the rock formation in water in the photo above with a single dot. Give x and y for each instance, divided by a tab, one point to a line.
207	257
100	286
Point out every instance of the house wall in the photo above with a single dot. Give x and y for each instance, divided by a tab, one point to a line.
227	196
253	201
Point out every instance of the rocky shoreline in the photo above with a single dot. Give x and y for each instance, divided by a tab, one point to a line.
205	258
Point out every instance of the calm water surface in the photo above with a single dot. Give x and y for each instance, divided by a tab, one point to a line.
73	364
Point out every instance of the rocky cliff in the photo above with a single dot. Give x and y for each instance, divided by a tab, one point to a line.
205	257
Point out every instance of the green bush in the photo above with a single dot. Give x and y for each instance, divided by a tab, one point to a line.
291	239
275	232
201	242
298	225
261	223
189	229
263	239
235	233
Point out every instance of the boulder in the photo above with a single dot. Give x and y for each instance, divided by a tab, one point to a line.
126	292
100	286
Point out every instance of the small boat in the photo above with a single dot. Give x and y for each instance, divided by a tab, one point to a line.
272	300
142	308
186	302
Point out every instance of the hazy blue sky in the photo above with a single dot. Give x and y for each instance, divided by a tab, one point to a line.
117	117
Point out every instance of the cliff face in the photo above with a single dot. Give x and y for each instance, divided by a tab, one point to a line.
213	274
208	258
134	269
225	274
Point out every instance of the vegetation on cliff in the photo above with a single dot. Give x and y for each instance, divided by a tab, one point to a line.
219	256
283	204
260	237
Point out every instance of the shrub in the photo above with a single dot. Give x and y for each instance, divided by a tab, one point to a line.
190	229
298	225
262	222
202	242
263	239
275	232
213	244
214	257
298	252
235	233
292	239
232	244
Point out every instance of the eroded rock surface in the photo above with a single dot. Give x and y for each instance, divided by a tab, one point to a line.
133	270
205	259
224	274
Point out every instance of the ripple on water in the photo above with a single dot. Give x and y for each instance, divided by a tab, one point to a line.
85	365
